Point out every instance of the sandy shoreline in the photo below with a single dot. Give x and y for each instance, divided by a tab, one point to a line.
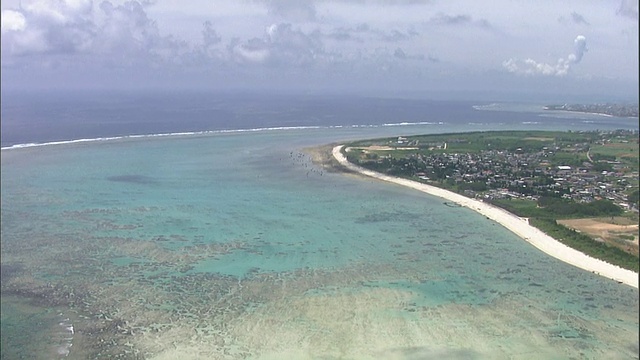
517	225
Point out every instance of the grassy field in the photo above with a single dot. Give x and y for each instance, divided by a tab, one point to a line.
624	152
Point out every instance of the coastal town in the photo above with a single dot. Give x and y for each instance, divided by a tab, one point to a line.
547	167
618	110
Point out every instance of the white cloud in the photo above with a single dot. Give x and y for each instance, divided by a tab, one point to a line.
49	27
421	42
110	34
511	65
61	11
13	21
560	68
580	47
252	51
282	45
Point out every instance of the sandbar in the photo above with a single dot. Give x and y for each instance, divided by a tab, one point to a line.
519	226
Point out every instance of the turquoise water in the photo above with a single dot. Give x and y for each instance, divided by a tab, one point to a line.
239	246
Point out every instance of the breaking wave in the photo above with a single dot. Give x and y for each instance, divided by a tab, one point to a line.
207	132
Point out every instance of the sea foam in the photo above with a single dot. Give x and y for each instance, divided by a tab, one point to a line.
207	132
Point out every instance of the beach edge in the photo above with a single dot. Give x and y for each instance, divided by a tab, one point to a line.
517	225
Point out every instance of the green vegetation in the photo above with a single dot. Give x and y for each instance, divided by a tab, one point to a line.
564	209
586	244
475	142
544	218
522	208
634	198
555	208
620	150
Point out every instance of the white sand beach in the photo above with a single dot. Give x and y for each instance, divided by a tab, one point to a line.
517	225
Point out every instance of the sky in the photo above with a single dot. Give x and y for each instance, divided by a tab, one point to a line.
550	48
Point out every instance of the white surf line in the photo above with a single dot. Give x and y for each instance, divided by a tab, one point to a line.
519	226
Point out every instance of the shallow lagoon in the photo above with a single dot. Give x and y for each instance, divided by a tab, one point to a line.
238	246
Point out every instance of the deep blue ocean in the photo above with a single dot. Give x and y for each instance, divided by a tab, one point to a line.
199	226
50	117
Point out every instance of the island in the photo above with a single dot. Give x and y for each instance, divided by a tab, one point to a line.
579	188
618	110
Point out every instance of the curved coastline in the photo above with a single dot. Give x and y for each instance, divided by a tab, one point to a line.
517	225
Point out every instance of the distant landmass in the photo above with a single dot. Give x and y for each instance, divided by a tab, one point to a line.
619	110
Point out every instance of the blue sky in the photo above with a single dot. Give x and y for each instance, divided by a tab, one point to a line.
531	48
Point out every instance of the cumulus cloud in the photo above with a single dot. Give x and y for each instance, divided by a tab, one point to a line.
292	46
61	12
252	51
322	39
121	34
285	46
281	45
459	20
560	68
13	21
128	36
364	32
579	48
63	26
113	34
445	19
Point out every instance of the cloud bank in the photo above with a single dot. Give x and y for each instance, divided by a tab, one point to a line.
366	44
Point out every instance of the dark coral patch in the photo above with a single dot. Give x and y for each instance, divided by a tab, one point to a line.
134	179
